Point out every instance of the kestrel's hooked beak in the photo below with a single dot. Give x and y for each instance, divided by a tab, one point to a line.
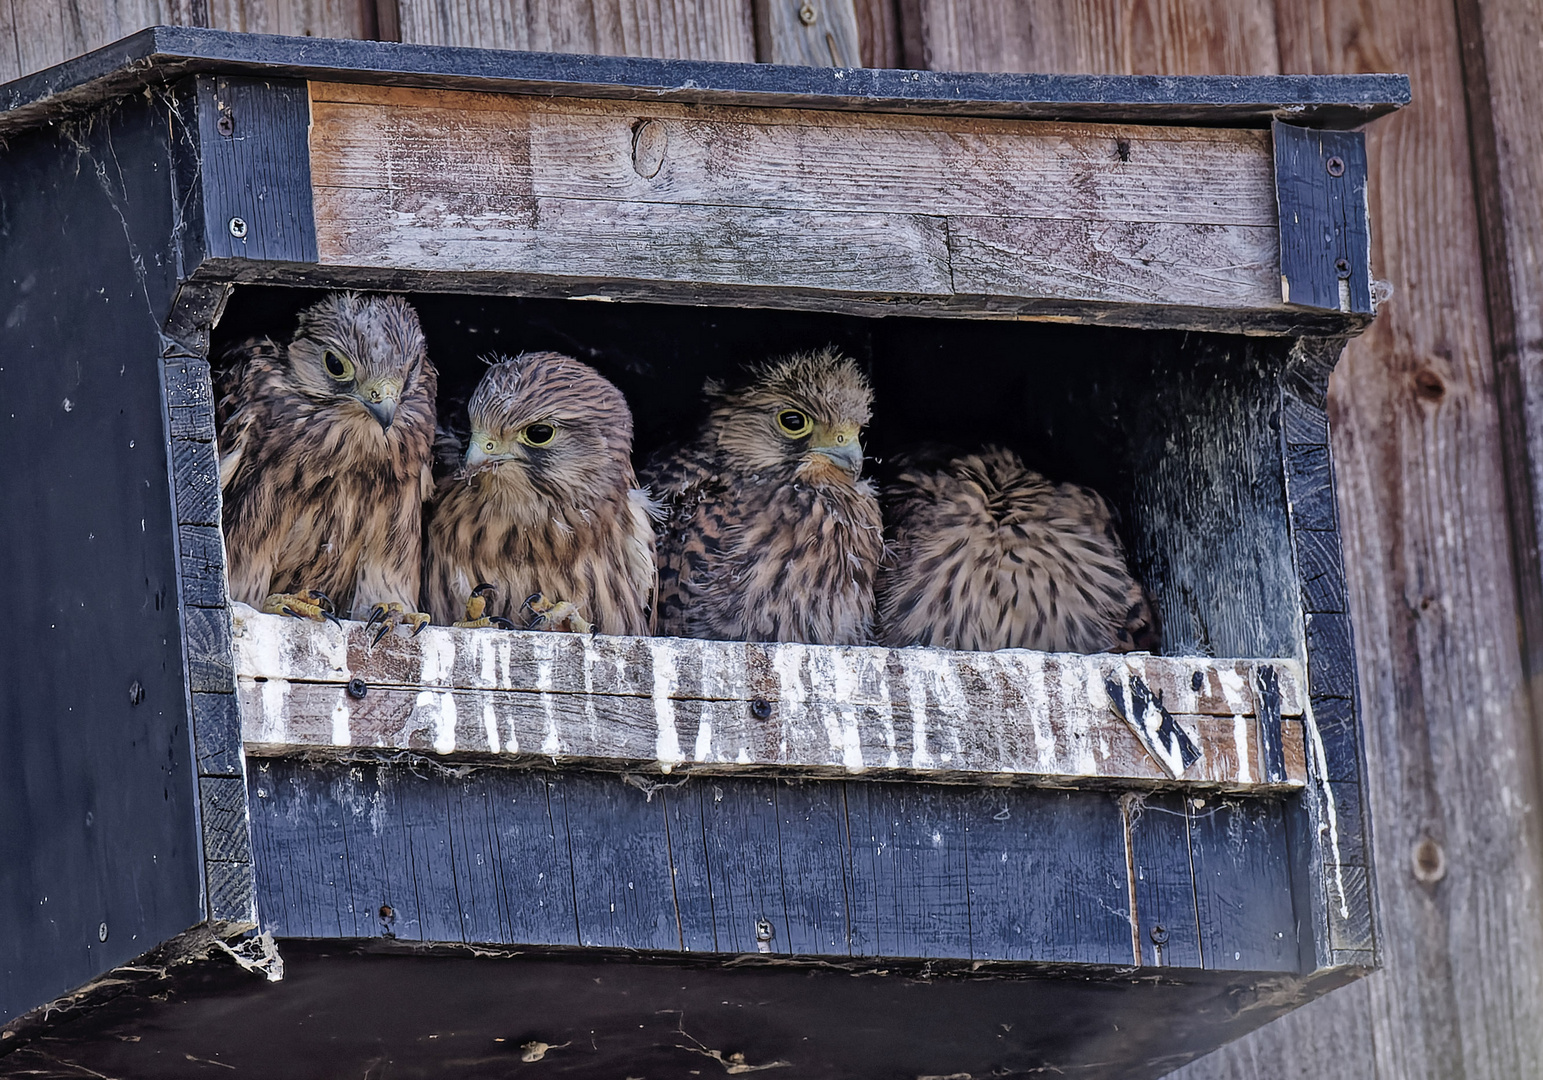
380	397
840	444
479	457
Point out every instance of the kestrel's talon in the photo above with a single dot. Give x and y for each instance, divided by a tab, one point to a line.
391	615
311	604
477	617
556	615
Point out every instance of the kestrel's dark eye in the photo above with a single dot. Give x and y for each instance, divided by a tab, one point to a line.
336	366
538	434
793	423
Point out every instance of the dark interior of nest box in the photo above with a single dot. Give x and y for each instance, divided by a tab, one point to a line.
1180	431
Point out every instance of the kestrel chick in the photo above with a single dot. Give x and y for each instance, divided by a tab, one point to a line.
771	534
546	503
988	554
324	461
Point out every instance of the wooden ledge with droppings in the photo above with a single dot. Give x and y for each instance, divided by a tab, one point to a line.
675	705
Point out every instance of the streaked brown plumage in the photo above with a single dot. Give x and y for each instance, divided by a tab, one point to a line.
324	456
988	554
770	533
562	517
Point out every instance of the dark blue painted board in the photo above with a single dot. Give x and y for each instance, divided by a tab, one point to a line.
1168	923
836	868
739	824
301	858
1243	885
1320	183
910	894
691	873
816	860
1048	877
619	844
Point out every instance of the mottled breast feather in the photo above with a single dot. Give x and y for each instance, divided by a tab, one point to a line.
762	541
988	554
565	520
316	493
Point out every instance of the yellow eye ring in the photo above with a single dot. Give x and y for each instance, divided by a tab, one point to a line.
340	368
793	423
538	434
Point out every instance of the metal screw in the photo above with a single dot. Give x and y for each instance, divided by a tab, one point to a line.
226	124
1159	935
136	692
1336	166
238	228
387	913
357	688
760	708
807	14
763	935
1342	268
101	932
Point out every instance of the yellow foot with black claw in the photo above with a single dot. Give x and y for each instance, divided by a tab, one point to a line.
556	615
477	617
393	614
311	604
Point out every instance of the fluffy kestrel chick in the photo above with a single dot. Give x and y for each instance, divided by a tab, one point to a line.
546	503
988	554
771	534
325	461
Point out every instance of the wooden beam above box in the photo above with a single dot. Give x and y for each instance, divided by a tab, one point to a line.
670	704
1132	224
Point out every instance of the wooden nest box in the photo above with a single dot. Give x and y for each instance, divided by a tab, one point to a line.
647	856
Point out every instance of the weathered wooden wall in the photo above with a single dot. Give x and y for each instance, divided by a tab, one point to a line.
1418	406
1434	411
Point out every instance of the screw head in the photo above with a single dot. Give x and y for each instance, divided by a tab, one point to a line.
357	688
101	932
238	228
763	930
226	124
387	913
807	14
136	692
1336	166
760	708
1159	935
1342	269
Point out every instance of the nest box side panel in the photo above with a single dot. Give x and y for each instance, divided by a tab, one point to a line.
98	809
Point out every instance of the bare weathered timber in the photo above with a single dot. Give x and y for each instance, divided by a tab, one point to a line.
809	33
35	34
695	29
1115	37
969	212
667	704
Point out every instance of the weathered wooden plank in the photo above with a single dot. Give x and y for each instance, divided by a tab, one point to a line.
910	886
1163	880
273	647
728	707
744	861
1160	37
1116	262
817	33
437	180
1048	876
694	29
788	159
1243	885
580	240
619	845
815	853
